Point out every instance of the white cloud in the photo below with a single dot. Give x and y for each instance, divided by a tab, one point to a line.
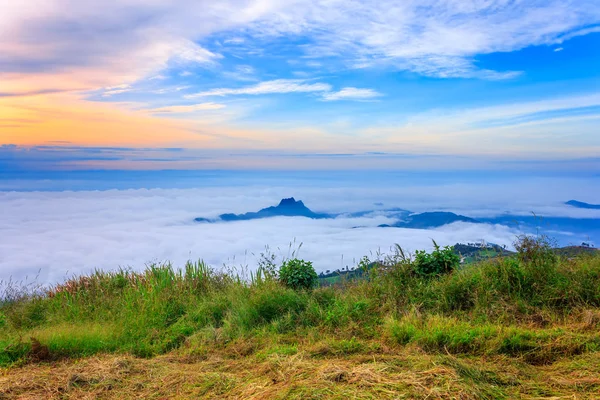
314	64
171	89
525	129
351	93
130	39
436	38
75	232
268	87
512	111
241	73
556	50
62	233
578	32
118	89
186	109
245	69
187	51
292	86
159	77
235	40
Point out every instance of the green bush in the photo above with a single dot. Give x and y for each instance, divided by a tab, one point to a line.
439	262
536	250
298	274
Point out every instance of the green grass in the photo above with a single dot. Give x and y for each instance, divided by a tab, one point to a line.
448	334
539	308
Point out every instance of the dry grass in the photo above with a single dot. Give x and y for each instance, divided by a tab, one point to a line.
403	372
500	329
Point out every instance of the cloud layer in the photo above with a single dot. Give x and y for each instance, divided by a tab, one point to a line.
63	233
437	38
270	87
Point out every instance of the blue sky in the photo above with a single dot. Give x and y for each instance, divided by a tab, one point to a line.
489	80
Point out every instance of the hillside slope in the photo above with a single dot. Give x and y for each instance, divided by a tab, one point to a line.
521	326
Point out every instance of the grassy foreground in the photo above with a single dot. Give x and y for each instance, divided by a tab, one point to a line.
526	326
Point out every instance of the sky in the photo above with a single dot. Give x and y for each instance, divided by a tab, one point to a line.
122	121
299	84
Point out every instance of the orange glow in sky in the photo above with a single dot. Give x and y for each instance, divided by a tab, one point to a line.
46	119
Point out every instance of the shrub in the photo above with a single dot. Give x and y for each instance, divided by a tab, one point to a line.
439	262
535	249
298	274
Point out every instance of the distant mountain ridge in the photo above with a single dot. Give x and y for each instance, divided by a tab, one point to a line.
581	204
578	230
433	219
289	207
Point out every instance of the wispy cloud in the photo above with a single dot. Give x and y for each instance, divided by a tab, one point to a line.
434	38
235	40
31	93
171	89
187	51
267	87
241	73
118	89
555	128
281	86
159	77
578	32
430	37
186	109
158	47
352	93
507	113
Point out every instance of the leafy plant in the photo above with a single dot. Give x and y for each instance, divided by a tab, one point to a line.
267	263
364	264
439	262
298	274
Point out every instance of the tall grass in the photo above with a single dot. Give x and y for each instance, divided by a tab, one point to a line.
534	305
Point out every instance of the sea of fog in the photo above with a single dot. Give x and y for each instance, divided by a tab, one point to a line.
57	225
